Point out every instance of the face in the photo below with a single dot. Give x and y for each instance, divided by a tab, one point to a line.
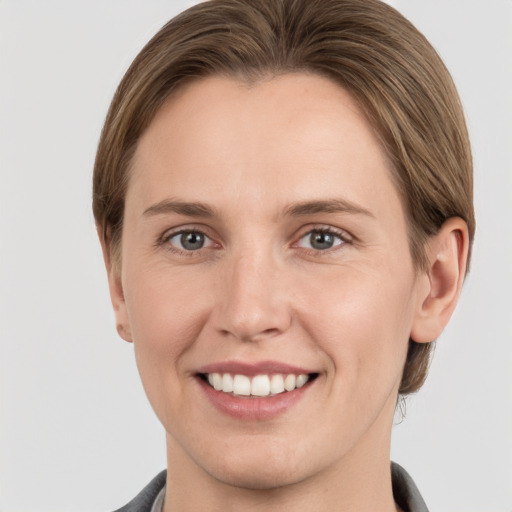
266	280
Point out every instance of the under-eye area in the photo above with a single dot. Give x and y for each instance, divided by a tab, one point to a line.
258	385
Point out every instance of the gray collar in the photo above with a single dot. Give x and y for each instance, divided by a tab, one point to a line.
405	492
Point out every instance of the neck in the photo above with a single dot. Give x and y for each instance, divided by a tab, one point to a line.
361	481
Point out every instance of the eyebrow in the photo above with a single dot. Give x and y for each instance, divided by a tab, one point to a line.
180	207
326	206
194	209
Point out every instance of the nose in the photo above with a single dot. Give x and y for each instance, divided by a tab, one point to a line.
252	299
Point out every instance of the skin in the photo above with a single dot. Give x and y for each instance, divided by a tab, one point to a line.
258	290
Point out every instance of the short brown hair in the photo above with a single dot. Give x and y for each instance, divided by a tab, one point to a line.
365	46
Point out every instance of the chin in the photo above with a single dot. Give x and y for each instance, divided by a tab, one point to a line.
257	478
264	470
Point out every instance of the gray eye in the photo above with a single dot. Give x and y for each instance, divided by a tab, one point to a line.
192	241
320	240
188	240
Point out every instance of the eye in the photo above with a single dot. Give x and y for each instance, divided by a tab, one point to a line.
320	240
189	240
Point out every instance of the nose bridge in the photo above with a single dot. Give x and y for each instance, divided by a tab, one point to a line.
253	303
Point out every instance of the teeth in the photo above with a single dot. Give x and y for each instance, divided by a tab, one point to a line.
260	385
301	380
289	382
241	385
276	384
227	383
217	381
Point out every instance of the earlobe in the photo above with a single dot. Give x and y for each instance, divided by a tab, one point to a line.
119	304
116	289
440	285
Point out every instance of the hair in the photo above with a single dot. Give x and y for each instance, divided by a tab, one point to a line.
365	46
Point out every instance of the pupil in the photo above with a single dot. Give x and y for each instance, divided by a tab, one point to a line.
192	241
321	240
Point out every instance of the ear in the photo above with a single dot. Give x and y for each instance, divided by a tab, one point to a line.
116	288
440	284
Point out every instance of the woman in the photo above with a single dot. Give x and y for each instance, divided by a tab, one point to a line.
283	194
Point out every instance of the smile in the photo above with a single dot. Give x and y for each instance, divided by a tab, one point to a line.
258	385
255	391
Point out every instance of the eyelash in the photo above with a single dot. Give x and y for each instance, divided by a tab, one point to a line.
342	236
165	239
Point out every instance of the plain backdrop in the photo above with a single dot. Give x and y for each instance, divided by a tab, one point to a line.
76	431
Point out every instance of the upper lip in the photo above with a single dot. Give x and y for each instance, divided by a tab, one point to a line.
252	369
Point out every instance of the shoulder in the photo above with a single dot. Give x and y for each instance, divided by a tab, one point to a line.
143	502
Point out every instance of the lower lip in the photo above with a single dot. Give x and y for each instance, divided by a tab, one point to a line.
254	408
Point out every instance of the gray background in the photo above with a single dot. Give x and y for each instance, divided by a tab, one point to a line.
76	432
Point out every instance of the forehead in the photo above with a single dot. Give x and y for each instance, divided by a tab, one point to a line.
293	137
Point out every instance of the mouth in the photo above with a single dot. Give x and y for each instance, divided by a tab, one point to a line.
262	385
258	391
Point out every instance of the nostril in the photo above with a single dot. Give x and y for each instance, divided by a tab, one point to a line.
267	333
248	336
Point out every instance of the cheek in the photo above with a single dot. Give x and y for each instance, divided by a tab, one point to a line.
166	309
362	321
166	316
160	319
